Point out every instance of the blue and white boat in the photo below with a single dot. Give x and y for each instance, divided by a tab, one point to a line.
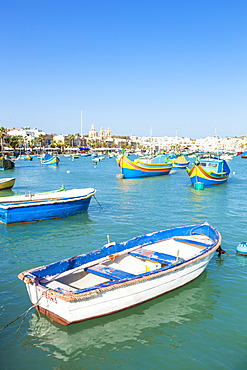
50	159
43	206
123	275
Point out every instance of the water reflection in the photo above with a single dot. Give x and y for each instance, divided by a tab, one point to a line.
241	260
6	192
143	324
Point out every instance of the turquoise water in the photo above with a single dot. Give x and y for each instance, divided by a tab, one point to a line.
199	326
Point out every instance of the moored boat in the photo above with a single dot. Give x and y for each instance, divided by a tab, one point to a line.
209	171
180	162
144	167
6	163
120	276
7	183
24	157
43	206
244	155
50	159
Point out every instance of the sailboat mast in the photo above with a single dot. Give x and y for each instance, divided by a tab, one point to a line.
81	123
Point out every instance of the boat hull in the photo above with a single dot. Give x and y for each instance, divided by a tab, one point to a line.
53	161
184	165
32	210
180	162
198	174
6	164
7	183
111	297
138	169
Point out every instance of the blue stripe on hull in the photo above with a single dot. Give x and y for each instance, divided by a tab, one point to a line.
43	212
128	173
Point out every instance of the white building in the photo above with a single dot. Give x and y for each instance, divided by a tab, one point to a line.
25	132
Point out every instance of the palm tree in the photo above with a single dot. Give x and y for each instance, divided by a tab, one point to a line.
60	145
72	138
40	140
32	143
21	141
53	144
3	133
14	141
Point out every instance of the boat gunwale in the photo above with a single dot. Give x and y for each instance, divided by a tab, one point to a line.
32	202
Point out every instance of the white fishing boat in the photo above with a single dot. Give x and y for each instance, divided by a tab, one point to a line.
120	276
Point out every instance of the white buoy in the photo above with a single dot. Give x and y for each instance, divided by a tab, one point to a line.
68	171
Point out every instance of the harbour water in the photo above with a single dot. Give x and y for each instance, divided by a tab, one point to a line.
199	326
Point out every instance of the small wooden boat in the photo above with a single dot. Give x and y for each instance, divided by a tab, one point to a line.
50	159
123	275
210	171
7	183
145	166
180	162
43	206
244	155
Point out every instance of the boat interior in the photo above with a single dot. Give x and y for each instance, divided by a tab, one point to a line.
212	166
129	264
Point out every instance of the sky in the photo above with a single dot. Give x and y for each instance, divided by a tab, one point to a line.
140	67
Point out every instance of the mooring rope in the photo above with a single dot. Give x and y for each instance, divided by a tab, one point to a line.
18	317
97	201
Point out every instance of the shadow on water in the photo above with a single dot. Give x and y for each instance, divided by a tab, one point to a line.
144	324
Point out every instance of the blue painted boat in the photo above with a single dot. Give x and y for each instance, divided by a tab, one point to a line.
50	159
144	167
244	154
209	171
121	275
43	206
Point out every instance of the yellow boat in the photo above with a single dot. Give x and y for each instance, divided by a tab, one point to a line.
7	183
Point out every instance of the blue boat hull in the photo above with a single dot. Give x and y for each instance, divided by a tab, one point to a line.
129	173
37	211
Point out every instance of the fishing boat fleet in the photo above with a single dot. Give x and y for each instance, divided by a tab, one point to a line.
119	275
207	171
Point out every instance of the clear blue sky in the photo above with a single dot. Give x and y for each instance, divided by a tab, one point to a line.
132	65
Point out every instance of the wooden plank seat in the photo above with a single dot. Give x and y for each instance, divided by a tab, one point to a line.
109	272
195	243
165	259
